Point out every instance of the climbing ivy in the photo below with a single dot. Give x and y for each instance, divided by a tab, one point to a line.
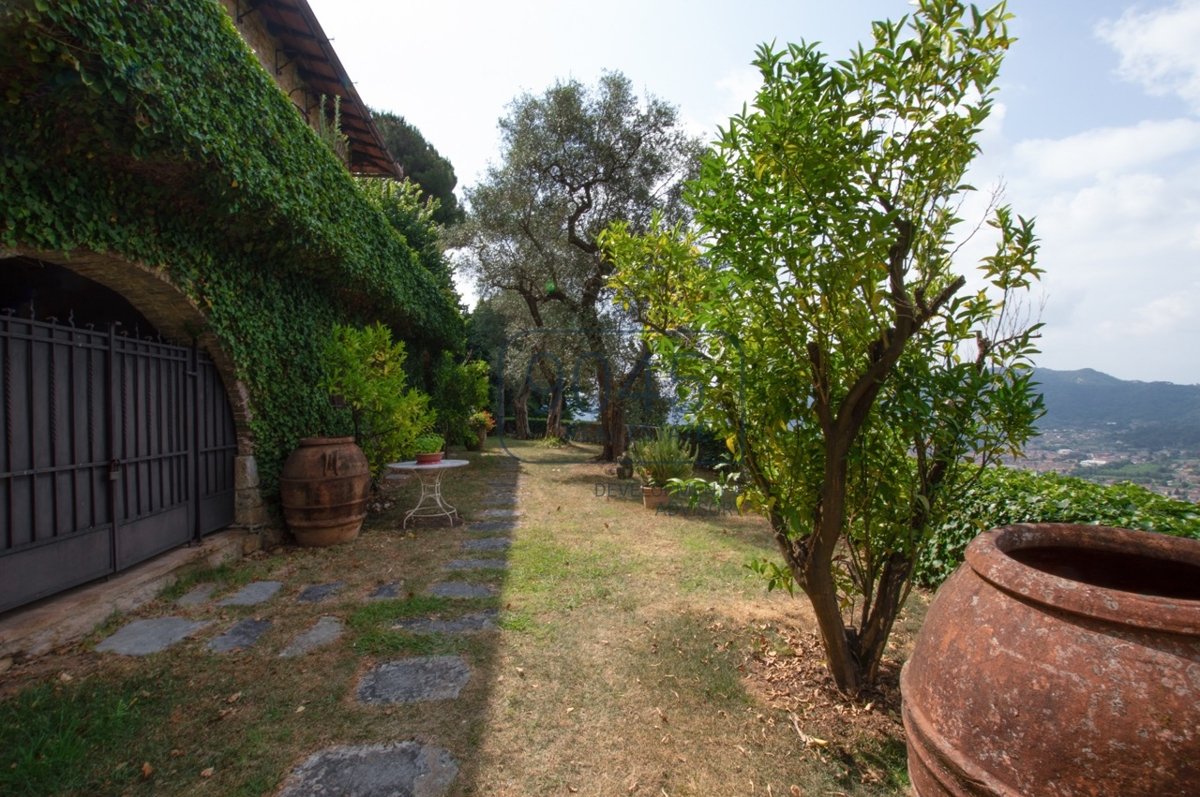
149	130
1002	496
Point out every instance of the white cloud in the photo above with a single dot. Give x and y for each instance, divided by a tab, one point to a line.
1117	212
740	86
1158	48
1109	150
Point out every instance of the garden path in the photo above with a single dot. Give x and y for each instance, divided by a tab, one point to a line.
365	770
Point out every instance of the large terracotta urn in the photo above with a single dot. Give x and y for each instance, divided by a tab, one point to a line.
1060	660
323	489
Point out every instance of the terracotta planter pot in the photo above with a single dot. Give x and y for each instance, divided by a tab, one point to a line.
323	489
654	497
430	459
1060	660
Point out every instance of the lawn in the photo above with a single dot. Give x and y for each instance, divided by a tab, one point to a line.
634	654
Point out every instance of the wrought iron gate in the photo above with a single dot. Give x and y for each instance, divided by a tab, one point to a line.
114	449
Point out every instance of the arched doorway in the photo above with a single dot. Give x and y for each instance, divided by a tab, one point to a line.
116	442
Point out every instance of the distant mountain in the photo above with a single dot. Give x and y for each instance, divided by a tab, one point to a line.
1147	414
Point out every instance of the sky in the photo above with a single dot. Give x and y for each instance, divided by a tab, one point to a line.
1096	132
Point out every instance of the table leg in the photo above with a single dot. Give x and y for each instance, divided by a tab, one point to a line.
431	504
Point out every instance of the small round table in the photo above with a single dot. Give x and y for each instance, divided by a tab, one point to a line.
430	476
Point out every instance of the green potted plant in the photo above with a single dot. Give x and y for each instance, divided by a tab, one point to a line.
657	461
428	448
480	423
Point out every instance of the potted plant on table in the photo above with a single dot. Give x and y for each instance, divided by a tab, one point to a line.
656	461
429	448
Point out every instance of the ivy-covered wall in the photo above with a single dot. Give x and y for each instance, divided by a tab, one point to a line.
149	131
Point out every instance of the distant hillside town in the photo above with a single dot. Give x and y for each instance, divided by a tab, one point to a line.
1109	430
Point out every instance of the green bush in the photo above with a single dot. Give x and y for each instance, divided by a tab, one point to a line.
1004	495
460	390
365	368
656	461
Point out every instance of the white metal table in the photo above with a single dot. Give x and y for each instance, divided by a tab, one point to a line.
430	476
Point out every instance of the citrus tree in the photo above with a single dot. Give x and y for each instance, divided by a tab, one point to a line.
815	309
364	369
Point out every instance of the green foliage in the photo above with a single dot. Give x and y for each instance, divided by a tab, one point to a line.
422	164
329	129
662	458
1002	496
459	390
714	494
574	159
428	444
150	131
365	369
815	317
415	218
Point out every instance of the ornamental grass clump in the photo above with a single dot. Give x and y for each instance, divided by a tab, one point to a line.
656	461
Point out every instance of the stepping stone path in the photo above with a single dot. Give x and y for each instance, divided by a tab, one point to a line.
241	636
143	637
477	564
414	680
253	594
487	544
468	623
402	769
501	513
490	526
325	632
384	591
461	589
196	595
319	592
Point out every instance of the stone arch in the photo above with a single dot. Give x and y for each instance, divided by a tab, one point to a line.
150	291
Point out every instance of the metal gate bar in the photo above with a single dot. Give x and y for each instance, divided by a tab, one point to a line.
113	450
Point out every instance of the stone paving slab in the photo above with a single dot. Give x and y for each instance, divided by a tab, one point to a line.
487	544
461	589
490	526
477	564
319	592
143	637
501	513
242	635
414	680
400	769
385	591
501	501
466	624
196	595
253	594
326	631
503	484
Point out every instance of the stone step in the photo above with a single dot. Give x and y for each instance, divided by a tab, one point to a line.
242	635
414	680
143	637
376	770
326	631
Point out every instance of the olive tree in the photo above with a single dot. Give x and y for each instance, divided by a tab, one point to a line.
816	309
